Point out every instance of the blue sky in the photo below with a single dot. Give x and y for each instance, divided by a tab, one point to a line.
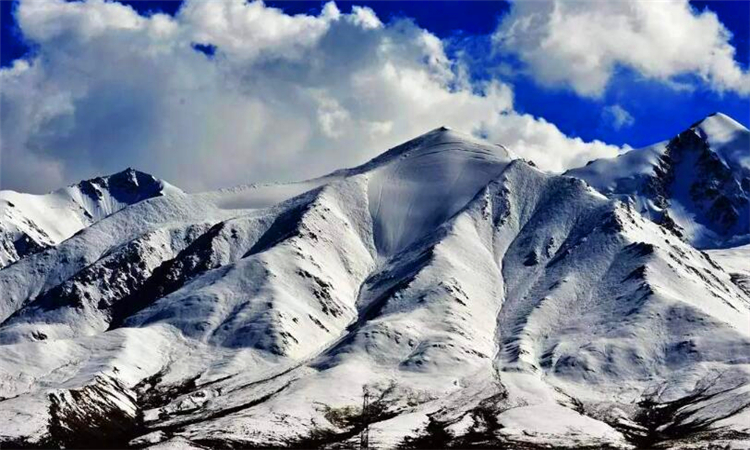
639	101
659	112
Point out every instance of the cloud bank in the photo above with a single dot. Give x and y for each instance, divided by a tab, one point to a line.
581	44
281	98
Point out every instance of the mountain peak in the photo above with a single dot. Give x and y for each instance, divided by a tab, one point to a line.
126	174
127	186
727	138
30	227
718	121
697	183
441	140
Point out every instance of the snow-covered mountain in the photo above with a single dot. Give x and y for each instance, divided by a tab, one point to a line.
697	183
30	223
468	298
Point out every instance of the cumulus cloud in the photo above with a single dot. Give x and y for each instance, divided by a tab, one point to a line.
282	97
581	44
617	117
544	144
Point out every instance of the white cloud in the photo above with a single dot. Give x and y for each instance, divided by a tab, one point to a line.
617	117
284	97
365	17
581	43
542	142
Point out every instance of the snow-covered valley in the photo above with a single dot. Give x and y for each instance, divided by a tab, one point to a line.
471	299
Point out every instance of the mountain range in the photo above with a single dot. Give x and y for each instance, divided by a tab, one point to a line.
444	294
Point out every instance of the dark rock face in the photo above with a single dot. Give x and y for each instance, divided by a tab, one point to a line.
25	245
716	190
691	171
100	415
129	186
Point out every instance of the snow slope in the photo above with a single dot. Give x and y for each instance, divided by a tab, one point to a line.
698	183
476	300
736	261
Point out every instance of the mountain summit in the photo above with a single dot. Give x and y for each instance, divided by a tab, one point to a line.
30	223
697	183
474	301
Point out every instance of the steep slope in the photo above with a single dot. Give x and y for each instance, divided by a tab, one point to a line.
30	223
476	300
697	184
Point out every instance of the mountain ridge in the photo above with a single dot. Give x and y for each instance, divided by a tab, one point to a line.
26	227
479	300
